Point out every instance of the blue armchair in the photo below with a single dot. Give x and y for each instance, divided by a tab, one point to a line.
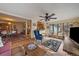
38	36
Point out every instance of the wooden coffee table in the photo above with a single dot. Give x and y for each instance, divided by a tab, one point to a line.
35	52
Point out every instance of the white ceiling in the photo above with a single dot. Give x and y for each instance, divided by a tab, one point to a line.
33	11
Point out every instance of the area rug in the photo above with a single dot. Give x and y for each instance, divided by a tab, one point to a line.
52	44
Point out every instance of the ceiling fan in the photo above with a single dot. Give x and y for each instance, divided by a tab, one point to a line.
47	17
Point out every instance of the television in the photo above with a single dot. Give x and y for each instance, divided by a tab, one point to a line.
74	34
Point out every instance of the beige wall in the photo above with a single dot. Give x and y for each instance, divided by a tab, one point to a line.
19	27
76	24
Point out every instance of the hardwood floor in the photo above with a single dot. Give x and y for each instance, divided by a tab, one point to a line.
17	42
18	48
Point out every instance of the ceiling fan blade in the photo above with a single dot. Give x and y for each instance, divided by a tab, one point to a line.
42	16
51	15
54	18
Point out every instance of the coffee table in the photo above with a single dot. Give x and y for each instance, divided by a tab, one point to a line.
35	52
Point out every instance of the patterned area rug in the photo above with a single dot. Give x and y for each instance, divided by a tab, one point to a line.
52	44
